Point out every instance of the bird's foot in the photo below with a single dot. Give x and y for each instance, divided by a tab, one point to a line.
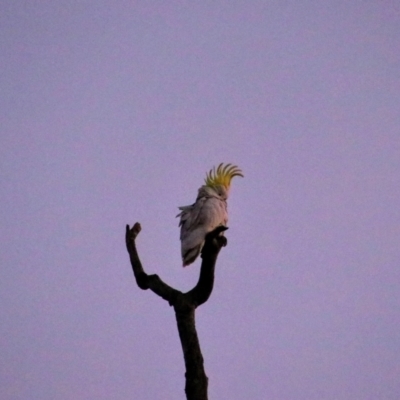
222	241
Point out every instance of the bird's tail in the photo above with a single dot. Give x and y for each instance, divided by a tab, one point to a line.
190	256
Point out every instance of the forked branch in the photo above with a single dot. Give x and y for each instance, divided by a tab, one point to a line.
184	304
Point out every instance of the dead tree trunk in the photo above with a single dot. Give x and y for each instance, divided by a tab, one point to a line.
184	304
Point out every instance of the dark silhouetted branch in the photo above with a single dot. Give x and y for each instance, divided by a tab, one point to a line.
184	304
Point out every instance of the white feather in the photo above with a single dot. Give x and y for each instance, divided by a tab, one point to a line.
200	218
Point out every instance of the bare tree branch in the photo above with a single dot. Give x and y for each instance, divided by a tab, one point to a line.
184	304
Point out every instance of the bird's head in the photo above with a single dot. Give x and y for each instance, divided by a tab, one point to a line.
220	178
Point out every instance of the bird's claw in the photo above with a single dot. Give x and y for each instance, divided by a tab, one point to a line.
222	241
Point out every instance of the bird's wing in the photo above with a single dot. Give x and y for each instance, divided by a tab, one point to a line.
196	221
201	218
185	213
213	213
204	215
191	216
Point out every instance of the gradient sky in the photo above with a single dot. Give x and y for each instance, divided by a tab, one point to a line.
112	112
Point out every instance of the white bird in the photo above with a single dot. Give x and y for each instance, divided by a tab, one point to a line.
207	213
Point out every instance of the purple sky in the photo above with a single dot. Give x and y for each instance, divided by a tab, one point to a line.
112	112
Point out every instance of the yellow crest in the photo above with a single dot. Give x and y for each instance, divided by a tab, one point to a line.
222	175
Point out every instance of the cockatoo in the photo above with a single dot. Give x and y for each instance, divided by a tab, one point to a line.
207	213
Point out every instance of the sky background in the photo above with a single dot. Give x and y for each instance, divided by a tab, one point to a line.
112	112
